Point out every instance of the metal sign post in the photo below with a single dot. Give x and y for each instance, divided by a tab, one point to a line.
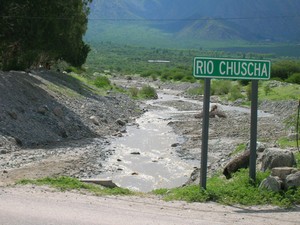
238	69
253	130
205	133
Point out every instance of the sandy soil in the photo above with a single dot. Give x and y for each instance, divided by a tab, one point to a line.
37	205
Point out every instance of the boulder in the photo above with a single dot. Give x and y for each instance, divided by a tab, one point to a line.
13	115
283	172
95	120
271	183
260	147
120	122
194	178
58	111
275	157
102	182
293	180
43	109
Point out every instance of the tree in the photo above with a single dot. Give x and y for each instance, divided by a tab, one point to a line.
37	32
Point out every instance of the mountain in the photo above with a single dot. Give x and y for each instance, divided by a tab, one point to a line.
256	20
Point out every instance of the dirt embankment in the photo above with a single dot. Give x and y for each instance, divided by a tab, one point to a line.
51	123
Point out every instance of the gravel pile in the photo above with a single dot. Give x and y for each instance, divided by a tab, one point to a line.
42	107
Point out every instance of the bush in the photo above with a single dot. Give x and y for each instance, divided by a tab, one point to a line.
134	91
195	91
102	82
249	91
178	76
295	78
283	69
235	93
220	87
148	92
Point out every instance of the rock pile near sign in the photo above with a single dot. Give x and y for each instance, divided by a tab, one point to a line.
281	179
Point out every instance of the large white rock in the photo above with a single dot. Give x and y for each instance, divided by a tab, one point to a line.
276	157
293	180
271	183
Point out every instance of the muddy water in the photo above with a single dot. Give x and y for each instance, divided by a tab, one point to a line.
145	157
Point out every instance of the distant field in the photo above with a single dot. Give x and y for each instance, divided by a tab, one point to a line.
279	50
137	34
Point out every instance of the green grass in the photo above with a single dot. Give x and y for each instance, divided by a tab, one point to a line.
287	92
287	143
67	184
102	82
238	149
237	190
195	91
62	90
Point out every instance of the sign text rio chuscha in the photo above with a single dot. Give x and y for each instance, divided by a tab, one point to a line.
226	68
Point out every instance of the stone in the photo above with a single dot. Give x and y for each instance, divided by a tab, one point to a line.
292	136
260	147
293	180
95	120
135	153
282	172
275	157
271	183
3	151
194	177
120	122
57	111
104	183
175	145
43	109
13	115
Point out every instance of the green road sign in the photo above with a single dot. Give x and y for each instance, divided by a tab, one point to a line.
226	68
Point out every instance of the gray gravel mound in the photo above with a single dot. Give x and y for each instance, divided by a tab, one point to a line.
44	107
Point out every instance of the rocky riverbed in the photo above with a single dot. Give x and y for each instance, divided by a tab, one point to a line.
51	124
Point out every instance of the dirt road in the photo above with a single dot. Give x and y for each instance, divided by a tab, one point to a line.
37	205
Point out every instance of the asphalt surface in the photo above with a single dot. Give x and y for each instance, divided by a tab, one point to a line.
36	206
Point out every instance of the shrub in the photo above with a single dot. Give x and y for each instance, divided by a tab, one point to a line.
249	91
195	91
148	92
235	93
295	78
267	89
178	76
102	82
220	87
134	91
190	79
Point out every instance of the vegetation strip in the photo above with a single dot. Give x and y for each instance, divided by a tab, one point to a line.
67	183
238	190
